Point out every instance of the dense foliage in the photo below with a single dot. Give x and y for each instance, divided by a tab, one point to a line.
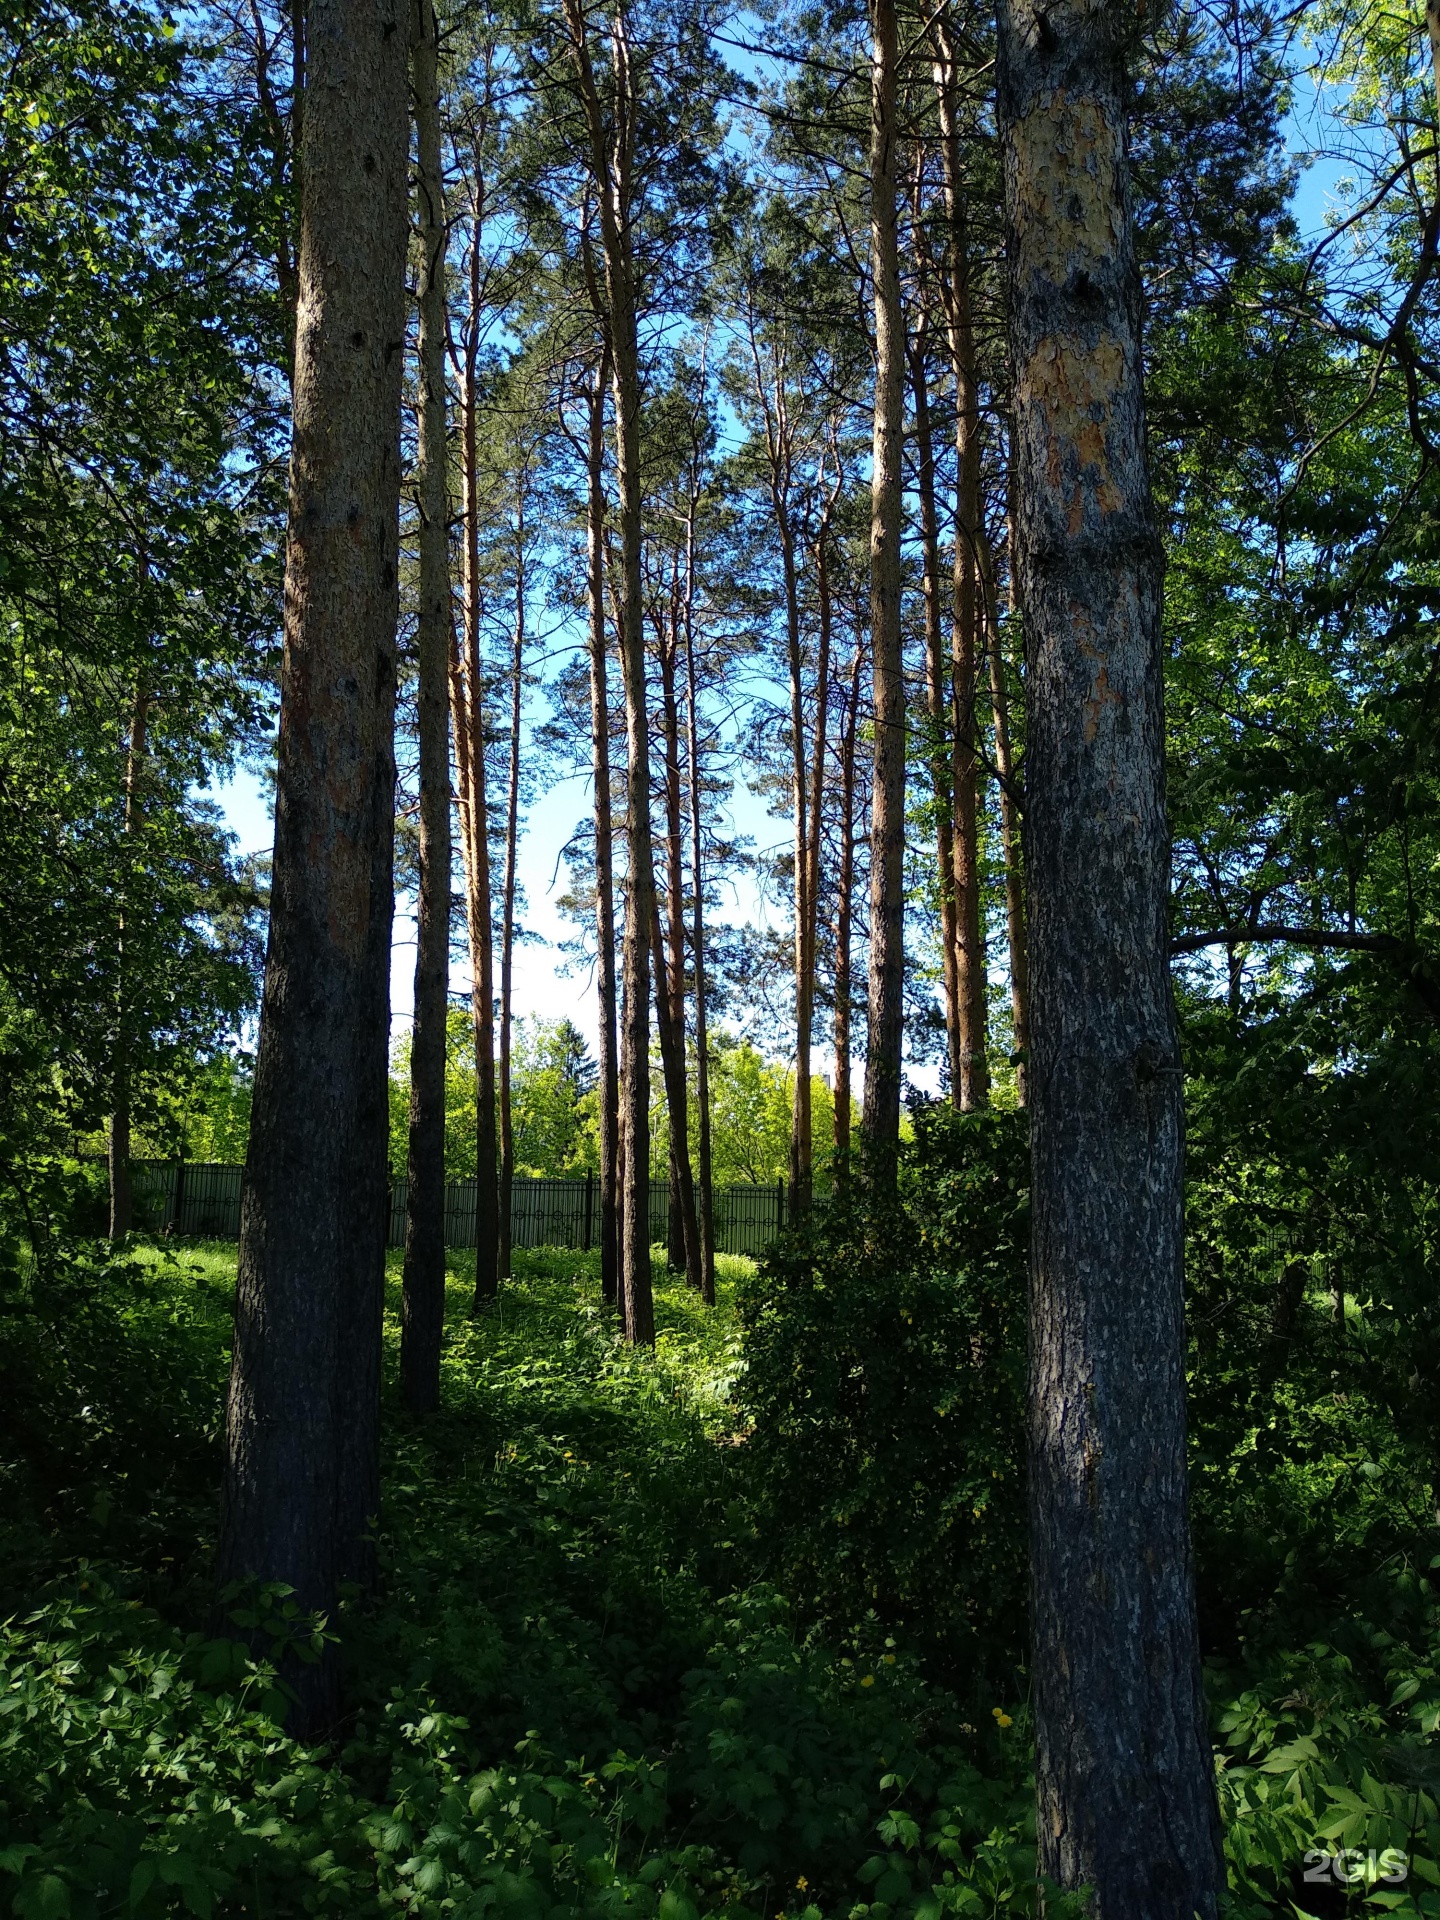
735	1628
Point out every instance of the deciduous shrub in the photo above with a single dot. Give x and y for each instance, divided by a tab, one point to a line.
883	1398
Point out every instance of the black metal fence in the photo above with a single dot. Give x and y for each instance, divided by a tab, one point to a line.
201	1200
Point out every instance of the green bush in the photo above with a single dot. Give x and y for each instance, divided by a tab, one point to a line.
883	1392
1329	1765
111	1383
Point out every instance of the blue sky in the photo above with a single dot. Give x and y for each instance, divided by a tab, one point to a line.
542	987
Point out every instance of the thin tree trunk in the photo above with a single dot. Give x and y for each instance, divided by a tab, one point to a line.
970	968
283	143
507	910
1010	834
884	1045
844	913
672	1062
302	1437
423	1295
1124	1773
802	1149
620	1186
610	165
467	707
122	1200
670	971
937	698
816	802
604	855
299	66
674	1218
780	452
705	1199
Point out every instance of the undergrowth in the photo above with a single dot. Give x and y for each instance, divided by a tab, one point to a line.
596	1679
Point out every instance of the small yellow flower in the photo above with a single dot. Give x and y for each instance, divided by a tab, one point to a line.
569	1456
802	1883
1003	1720
889	1659
868	1681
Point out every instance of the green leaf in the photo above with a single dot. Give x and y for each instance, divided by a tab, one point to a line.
47	1898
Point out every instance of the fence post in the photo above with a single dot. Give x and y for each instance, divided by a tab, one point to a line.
178	1204
780	1204
589	1204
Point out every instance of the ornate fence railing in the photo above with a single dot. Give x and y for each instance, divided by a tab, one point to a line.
201	1200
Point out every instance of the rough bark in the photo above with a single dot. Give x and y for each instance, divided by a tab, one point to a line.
967	600
302	1457
880	1123
1124	1779
122	1199
604	843
467	711
423	1292
610	161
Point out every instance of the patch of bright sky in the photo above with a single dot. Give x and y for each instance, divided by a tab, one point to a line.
549	984
1310	129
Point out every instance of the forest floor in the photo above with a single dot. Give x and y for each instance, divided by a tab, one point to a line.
577	1691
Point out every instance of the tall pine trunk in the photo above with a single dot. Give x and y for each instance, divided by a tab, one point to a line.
610	164
1124	1774
670	962
423	1294
937	696
302	1434
609	1087
507	904
467	708
802	1148
884	1044
815	802
844	919
122	1199
967	602
1011	846
773	398
705	1189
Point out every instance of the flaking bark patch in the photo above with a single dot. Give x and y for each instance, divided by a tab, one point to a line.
1066	154
1072	386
